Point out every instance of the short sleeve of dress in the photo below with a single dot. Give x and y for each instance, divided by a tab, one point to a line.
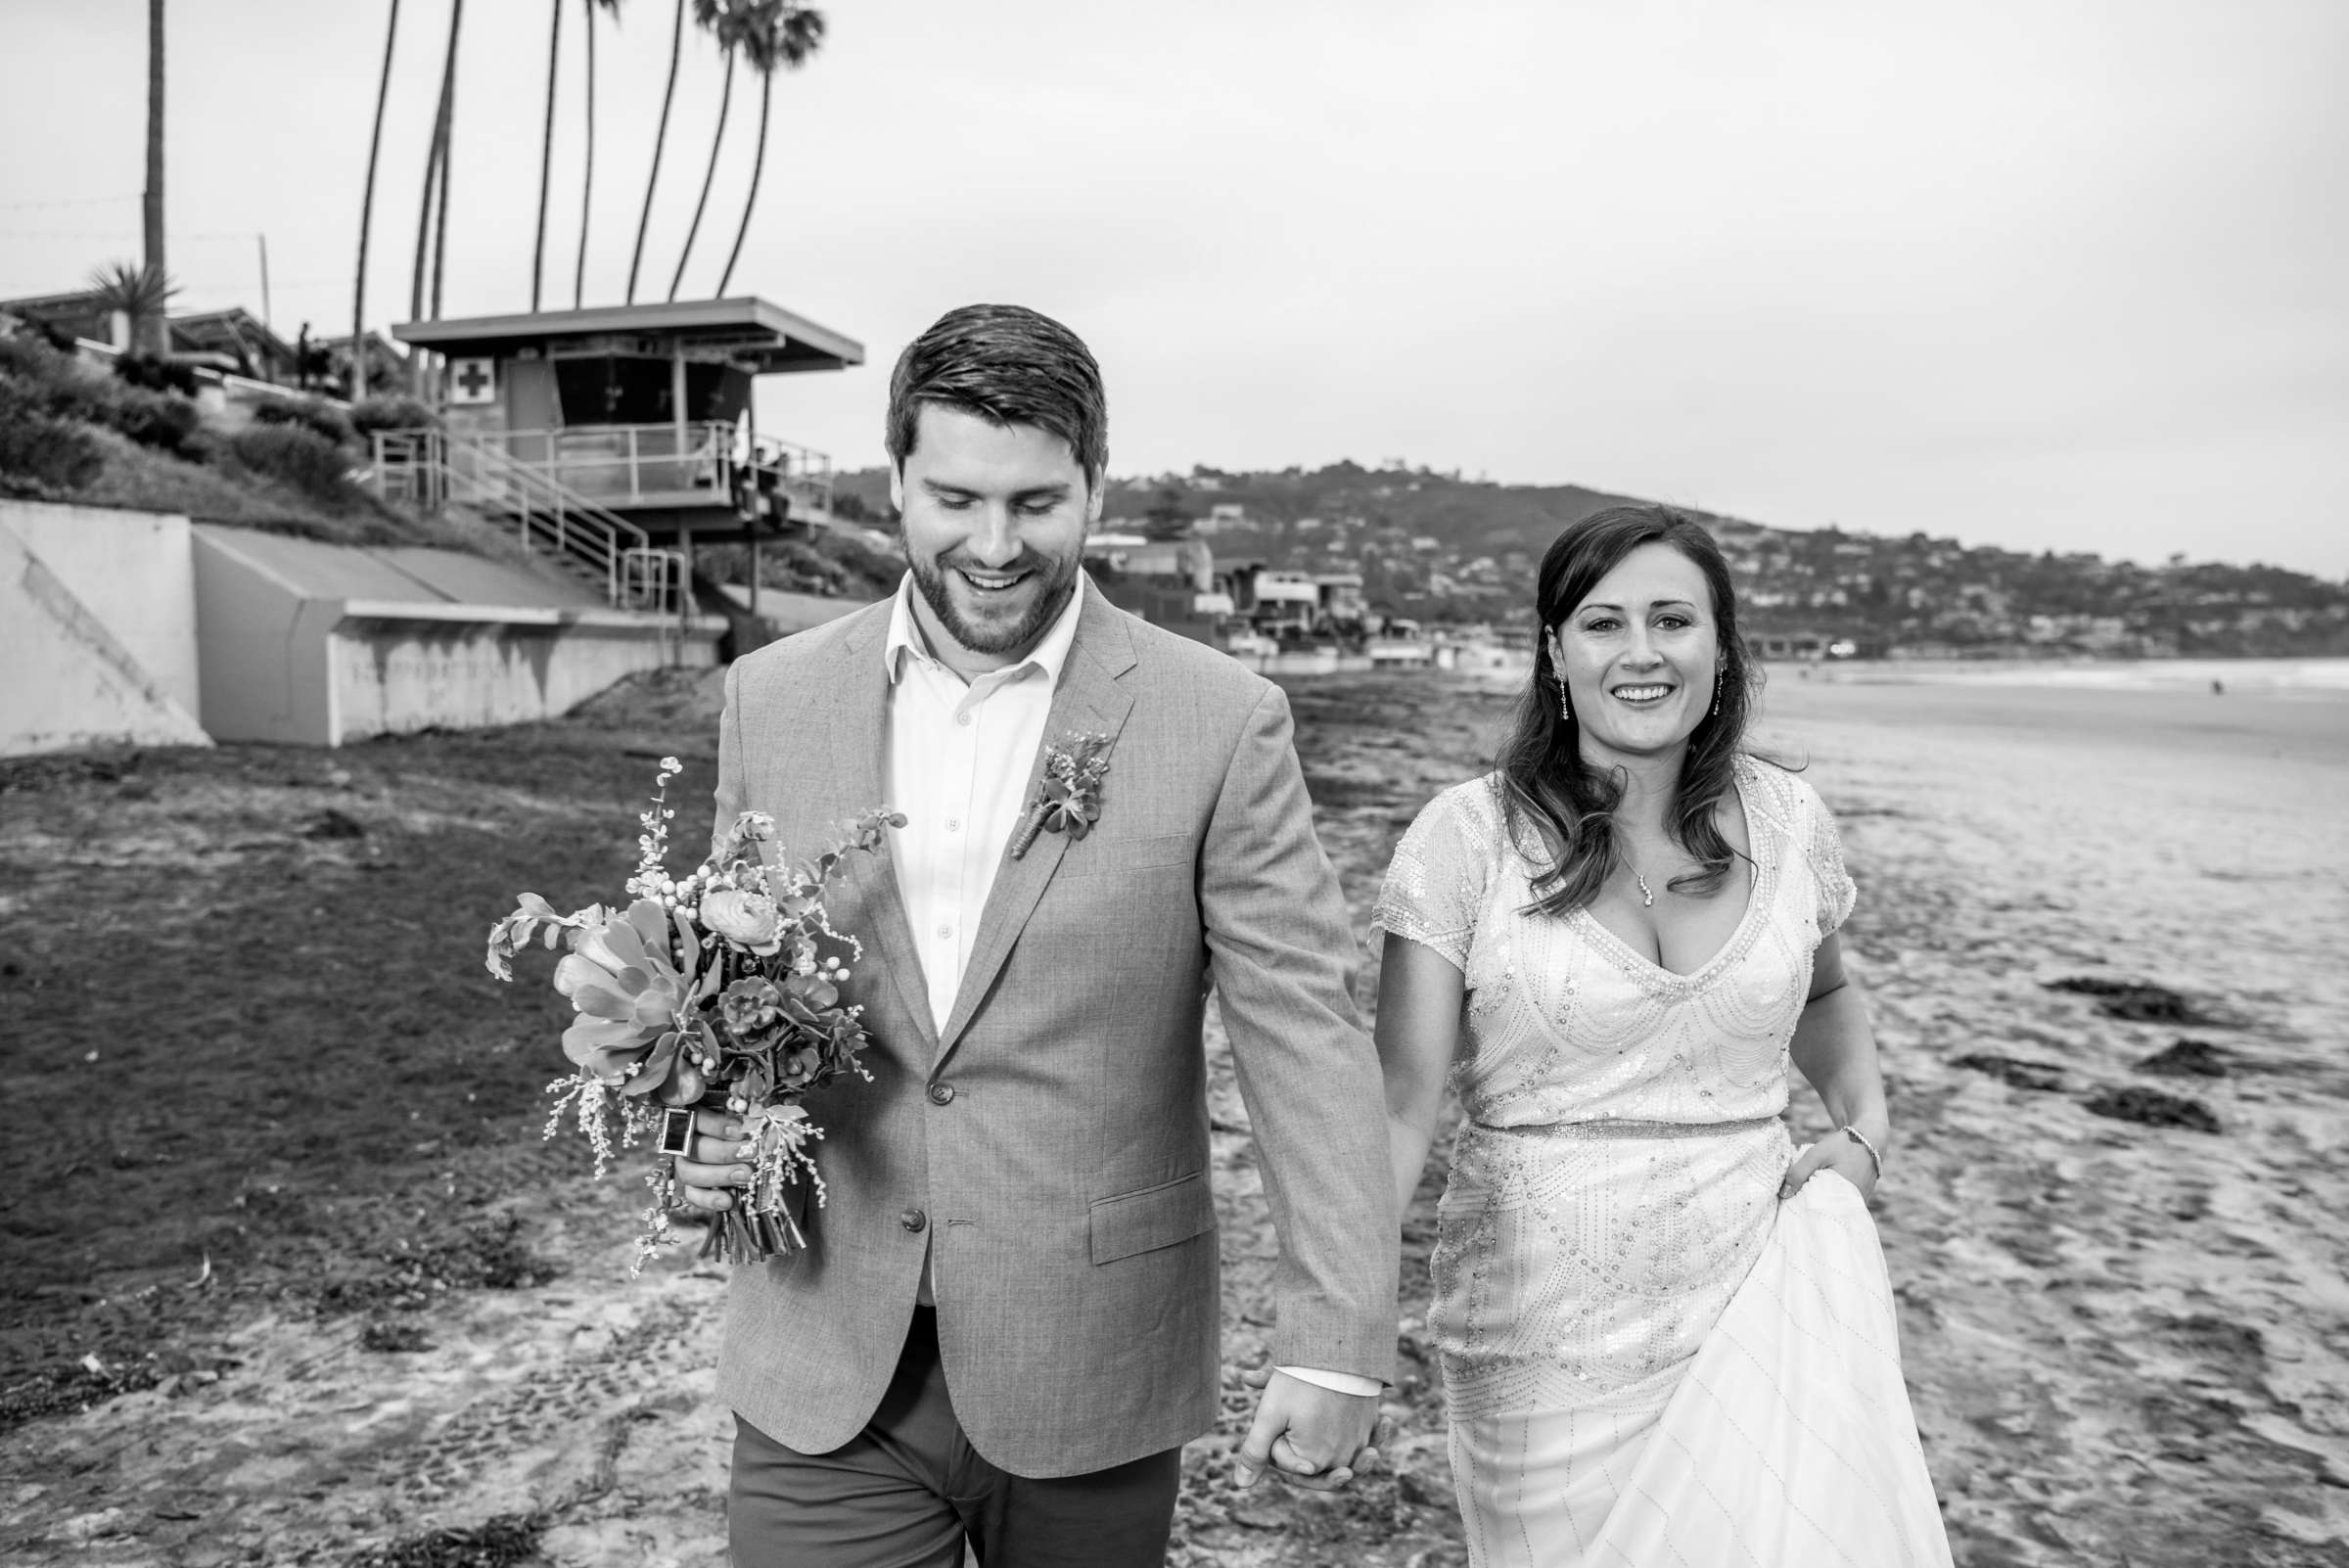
1436	883
1822	846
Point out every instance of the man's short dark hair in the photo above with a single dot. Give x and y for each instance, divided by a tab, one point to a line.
1007	364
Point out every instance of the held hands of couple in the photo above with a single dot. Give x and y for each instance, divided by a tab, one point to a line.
1840	1153
1302	1432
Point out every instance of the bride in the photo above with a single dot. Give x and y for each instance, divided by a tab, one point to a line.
1666	1336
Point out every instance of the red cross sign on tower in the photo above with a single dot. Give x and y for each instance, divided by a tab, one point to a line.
473	381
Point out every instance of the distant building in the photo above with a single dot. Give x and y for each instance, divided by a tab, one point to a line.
234	340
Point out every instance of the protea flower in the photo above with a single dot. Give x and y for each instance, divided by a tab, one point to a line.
629	996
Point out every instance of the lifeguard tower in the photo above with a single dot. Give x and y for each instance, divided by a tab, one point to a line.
618	436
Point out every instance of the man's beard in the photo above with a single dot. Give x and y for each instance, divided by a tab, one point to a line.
930	576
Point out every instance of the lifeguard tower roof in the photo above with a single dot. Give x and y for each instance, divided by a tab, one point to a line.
765	337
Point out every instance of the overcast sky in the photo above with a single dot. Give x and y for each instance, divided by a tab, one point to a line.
2046	273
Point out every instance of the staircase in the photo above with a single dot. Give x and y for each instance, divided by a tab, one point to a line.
430	468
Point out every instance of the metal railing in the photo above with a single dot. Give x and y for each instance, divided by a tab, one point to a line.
669	464
430	468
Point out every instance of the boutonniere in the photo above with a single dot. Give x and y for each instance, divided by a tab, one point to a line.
1068	800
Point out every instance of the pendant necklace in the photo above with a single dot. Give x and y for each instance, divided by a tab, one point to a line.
1645	898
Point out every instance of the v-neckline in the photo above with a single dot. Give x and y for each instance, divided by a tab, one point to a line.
1764	876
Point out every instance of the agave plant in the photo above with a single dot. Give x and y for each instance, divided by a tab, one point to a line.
140	293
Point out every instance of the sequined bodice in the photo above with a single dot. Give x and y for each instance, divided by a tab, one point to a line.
1566	1022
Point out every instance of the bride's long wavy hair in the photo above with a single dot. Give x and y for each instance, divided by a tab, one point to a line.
1548	790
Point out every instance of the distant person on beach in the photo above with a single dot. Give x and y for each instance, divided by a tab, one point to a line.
1666	1335
1005	1325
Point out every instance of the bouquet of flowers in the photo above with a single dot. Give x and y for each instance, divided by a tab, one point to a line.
721	985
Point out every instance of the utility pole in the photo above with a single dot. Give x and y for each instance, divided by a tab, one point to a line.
262	240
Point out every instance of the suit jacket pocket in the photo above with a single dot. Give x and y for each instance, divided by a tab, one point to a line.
1096	855
1151	1217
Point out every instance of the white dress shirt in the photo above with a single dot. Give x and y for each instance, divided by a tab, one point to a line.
959	756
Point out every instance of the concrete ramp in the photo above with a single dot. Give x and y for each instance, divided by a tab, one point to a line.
66	679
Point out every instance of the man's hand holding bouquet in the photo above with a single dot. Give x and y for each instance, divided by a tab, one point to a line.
722	985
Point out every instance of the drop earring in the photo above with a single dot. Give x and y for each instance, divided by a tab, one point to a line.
1565	706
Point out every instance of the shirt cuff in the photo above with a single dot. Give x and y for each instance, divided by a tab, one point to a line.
1336	1382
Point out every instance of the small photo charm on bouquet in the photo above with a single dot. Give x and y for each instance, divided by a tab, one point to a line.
721	988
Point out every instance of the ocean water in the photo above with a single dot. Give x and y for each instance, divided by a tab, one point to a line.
2317	677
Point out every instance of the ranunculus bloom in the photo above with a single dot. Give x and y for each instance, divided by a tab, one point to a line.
627	992
748	919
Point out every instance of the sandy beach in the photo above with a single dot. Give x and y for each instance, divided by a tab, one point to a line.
381	1325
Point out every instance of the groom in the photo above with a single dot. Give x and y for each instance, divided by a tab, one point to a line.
1004	1326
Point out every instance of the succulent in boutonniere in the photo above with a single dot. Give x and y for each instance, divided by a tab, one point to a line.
1068	798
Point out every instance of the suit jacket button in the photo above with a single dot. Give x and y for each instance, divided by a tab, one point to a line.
913	1220
942	1094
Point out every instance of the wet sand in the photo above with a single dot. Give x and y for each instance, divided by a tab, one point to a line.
2128	1343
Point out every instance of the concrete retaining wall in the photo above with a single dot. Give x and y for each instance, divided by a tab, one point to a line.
97	630
317	644
394	668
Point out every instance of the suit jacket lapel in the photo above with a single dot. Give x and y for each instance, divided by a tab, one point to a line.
1088	700
855	731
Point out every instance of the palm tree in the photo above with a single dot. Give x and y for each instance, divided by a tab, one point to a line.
374	148
677	48
448	117
436	179
780	35
153	336
546	148
578	277
720	18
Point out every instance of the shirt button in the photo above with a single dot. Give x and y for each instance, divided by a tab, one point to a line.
963	719
945	931
953	824
913	1220
942	1094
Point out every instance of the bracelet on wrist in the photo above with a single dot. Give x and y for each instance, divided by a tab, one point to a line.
1861	1138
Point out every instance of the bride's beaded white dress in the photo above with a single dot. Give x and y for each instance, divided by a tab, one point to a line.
1649	1358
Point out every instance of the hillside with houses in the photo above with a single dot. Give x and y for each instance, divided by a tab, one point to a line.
1436	548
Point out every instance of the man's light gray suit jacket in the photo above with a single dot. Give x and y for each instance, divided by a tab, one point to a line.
1061	1188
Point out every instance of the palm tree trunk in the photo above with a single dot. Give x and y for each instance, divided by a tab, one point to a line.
547	152
153	336
767	98
448	120
677	48
578	276
375	149
426	207
724	99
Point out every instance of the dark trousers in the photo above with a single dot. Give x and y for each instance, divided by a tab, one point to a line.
910	1490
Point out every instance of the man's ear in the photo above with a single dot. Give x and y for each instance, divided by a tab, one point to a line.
1096	492
897	487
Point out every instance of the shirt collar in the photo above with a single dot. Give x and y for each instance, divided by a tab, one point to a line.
1050	655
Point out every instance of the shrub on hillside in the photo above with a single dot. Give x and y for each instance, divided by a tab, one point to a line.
29	358
157	374
54	385
40	455
312	414
371	414
300	458
156	419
